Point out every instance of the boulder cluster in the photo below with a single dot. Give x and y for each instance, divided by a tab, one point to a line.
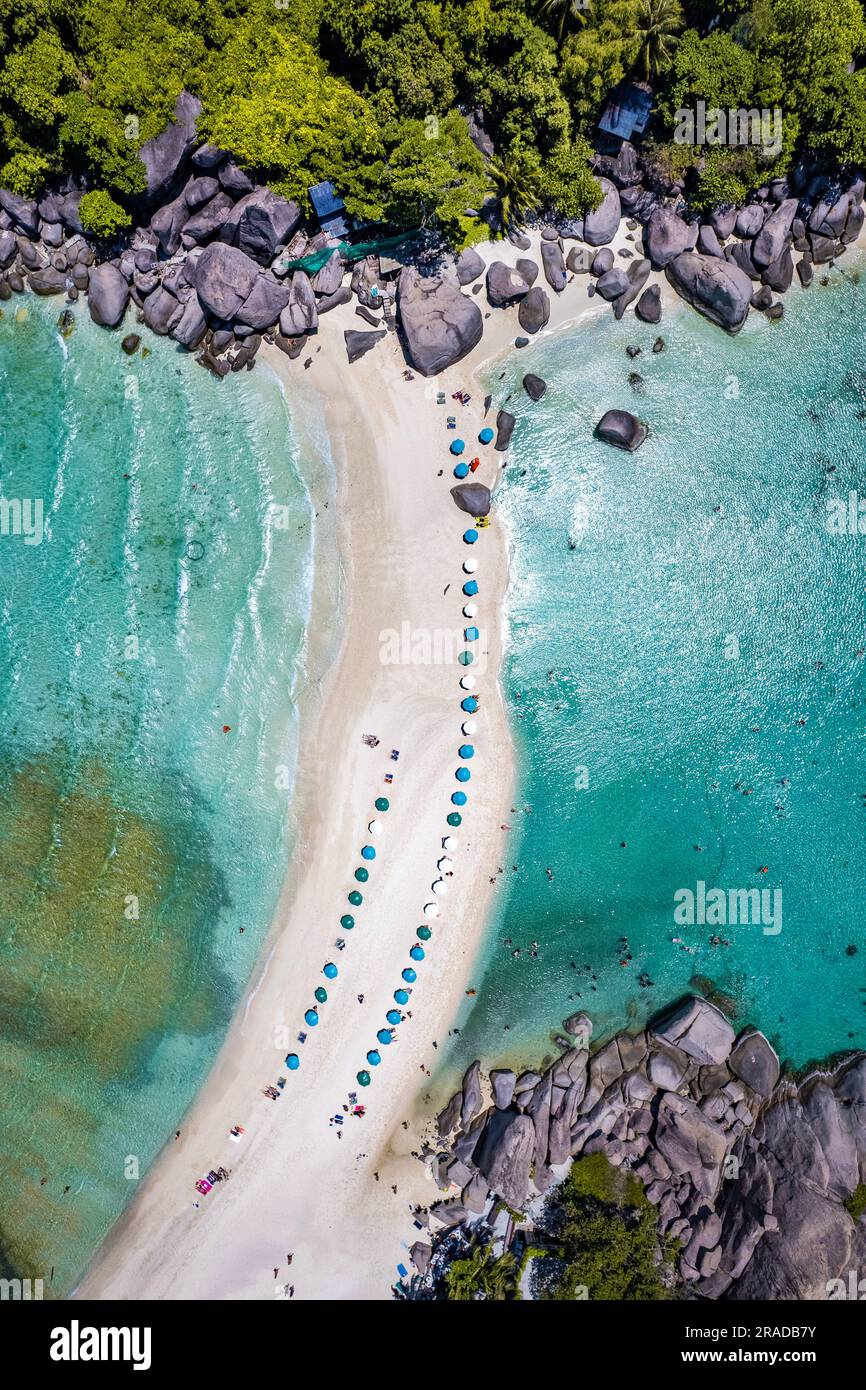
207	265
748	1169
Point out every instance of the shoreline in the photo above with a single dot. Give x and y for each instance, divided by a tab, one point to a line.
154	1251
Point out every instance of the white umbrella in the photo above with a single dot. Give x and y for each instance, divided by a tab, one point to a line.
469	610
469	726
431	909
467	682
470	566
450	843
439	886
375	826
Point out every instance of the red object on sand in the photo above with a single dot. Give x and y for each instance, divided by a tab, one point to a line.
227	728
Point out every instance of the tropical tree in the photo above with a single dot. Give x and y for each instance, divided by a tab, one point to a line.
480	1276
517	183
658	23
564	14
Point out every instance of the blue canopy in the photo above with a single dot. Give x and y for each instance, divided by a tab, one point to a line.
457	446
293	1061
311	1018
458	798
330	970
486	435
466	750
470	536
384	1037
470	704
368	852
409	975
462	470
401	996
394	1017
417	953
470	634
373	1057
463	774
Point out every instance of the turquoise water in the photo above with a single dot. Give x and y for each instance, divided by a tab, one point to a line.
686	668
149	657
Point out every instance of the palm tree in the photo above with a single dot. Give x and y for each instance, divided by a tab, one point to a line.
517	185
480	1276
658	23
564	13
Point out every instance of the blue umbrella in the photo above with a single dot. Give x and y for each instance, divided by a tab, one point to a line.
330	970
466	658
470	536
486	435
463	774
457	446
368	852
470	704
400	996
381	803
393	1016
362	875
363	1078
311	1018
293	1061
423	933
470	588
417	953
461	470
384	1037
454	818
470	634
458	798
466	750
373	1057
409	975
321	994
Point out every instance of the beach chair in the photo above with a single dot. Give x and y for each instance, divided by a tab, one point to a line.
395	753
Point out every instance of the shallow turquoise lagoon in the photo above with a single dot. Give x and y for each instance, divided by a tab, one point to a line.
686	678
150	646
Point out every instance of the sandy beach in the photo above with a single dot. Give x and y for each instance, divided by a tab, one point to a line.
300	1185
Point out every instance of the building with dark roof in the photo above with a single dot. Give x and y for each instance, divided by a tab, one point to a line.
329	209
626	110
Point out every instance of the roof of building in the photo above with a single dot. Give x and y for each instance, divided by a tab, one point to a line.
626	110
326	200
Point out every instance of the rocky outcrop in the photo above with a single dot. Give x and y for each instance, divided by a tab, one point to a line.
554	265
775	234
649	306
666	235
533	312
224	277
473	498
717	289
622	429
300	314
166	157
748	1171
505	423
359	342
439	323
600	226
469	266
107	295
534	386
505	285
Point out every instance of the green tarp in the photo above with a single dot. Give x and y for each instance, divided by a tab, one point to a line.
349	252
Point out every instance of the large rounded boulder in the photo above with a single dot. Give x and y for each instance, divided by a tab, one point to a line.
224	278
505	284
439	323
667	235
600	226
718	289
108	295
533	311
622	429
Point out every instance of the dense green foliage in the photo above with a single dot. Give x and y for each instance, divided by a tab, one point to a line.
606	1231
101	215
481	1276
373	94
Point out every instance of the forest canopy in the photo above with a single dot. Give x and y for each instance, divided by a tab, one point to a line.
376	95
